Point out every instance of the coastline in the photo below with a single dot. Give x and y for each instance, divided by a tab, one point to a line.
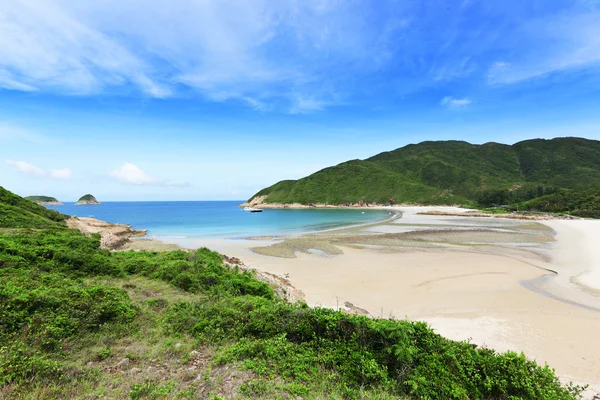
259	202
439	210
112	236
465	275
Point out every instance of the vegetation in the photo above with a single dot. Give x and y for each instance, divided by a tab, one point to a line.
87	197
451	172
42	199
77	321
583	203
18	212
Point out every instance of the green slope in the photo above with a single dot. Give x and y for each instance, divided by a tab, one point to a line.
449	172
583	203
17	212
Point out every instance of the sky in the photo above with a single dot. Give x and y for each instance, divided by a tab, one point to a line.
214	100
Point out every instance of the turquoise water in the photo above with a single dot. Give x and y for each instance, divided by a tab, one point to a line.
183	219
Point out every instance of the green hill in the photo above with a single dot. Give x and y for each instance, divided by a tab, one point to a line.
17	212
87	199
43	200
77	321
449	172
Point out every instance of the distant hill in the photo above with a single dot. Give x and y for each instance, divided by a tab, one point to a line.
87	199
449	172
44	200
18	212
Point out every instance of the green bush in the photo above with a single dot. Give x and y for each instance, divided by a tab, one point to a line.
299	343
199	271
43	309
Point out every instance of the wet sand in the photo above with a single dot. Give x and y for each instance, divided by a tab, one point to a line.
506	284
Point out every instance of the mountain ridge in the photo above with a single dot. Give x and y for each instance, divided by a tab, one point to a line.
448	172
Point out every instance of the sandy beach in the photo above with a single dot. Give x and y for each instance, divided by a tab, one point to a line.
530	286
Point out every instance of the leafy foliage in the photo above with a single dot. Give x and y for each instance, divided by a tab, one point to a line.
583	203
301	345
199	272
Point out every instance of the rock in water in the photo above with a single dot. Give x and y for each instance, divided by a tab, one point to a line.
87	199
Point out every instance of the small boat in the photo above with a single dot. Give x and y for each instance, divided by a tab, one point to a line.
252	209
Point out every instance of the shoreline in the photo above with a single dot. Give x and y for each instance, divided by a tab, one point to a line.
440	269
471	278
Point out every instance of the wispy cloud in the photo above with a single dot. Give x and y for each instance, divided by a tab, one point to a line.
286	56
33	170
306	104
131	174
45	47
554	44
257	52
453	103
64	173
26	168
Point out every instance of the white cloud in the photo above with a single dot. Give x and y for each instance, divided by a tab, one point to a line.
26	168
131	174
64	173
453	103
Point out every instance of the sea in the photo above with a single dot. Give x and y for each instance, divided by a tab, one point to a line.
219	219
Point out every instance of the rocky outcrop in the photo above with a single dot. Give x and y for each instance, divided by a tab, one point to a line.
112	236
87	199
281	285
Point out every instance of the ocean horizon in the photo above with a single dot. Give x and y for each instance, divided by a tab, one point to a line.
218	219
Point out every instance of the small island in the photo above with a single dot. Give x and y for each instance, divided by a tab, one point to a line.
44	200
87	199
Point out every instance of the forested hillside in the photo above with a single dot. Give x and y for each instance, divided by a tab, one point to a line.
450	172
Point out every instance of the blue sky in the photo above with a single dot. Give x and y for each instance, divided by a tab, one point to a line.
201	100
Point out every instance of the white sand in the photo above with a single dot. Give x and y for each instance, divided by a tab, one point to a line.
469	293
578	251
